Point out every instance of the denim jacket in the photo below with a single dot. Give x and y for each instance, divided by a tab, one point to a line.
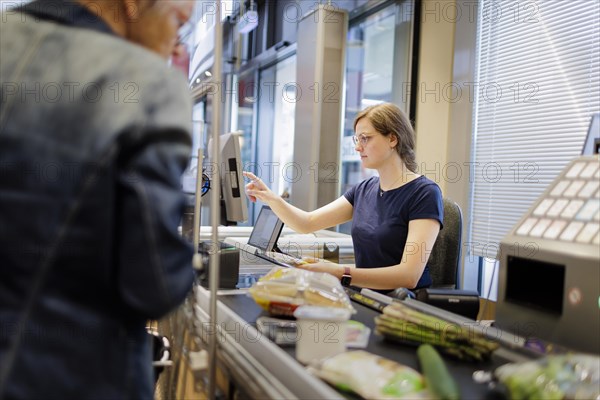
94	136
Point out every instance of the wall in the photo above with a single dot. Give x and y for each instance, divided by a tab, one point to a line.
435	72
447	66
460	129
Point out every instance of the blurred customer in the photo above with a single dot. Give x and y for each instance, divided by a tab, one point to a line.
94	135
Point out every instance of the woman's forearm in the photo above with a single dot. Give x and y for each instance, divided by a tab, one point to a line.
382	278
385	277
295	218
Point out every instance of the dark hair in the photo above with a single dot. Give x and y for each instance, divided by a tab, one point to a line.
389	119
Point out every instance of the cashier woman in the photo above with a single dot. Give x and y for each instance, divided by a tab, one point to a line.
396	216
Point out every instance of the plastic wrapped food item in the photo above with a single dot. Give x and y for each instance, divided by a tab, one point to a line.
283	290
284	332
371	376
322	332
357	335
570	376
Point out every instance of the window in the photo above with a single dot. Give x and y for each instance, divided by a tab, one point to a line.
283	124
276	96
199	129
244	107
537	87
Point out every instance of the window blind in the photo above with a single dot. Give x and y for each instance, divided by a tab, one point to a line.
538	84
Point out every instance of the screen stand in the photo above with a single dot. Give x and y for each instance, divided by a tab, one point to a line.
197	259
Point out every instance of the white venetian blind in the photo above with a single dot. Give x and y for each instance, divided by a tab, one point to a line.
538	85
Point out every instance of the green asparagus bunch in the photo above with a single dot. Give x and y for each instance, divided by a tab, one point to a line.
402	323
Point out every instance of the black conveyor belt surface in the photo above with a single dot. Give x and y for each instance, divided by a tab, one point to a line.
248	310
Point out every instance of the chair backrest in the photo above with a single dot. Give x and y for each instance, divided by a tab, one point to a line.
445	255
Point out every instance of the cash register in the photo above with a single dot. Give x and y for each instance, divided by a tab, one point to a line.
549	276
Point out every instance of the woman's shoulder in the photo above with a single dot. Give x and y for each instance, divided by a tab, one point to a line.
423	182
364	187
423	187
368	184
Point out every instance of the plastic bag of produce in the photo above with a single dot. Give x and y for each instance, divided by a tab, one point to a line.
282	290
570	376
371	376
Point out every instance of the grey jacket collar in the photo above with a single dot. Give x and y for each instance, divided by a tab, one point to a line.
65	12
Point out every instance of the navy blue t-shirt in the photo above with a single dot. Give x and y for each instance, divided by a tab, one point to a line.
380	221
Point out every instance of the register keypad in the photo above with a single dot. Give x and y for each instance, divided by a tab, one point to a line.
571	210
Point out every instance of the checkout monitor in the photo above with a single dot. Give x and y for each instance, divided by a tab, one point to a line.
233	199
266	230
264	238
592	141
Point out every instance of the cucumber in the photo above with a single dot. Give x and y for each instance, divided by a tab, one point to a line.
438	379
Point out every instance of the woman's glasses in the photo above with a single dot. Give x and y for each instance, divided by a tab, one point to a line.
362	139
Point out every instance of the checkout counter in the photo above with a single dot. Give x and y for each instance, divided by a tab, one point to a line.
290	241
253	366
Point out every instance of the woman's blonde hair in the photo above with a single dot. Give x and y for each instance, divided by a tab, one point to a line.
389	119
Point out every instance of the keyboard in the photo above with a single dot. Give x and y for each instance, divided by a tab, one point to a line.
282	259
570	209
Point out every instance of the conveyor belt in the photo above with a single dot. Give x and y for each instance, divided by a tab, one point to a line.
247	309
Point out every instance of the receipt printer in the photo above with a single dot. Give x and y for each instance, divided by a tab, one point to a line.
229	264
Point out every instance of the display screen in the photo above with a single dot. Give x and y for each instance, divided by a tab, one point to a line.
535	283
591	145
266	230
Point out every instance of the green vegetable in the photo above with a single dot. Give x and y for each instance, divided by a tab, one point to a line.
437	377
400	322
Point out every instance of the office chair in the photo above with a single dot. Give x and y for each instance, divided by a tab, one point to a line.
443	267
445	256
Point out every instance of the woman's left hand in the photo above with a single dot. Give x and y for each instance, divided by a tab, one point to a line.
319	265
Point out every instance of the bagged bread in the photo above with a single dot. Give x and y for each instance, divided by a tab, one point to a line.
282	290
